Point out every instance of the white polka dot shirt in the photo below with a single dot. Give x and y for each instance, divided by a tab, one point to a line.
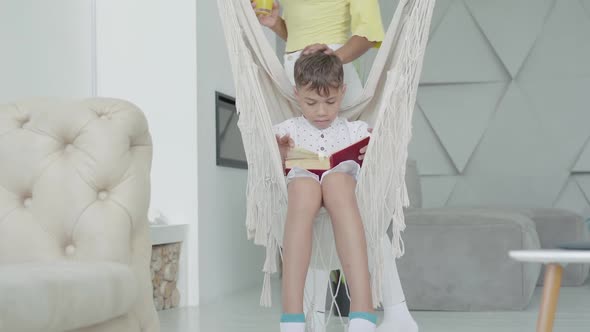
340	134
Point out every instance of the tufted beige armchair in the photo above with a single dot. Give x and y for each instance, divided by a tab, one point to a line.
74	236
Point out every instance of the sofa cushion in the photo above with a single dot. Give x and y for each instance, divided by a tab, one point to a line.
457	259
558	226
554	226
63	295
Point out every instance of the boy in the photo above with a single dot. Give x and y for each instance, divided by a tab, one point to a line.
319	89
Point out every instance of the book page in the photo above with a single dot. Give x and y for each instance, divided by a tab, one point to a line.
301	153
317	164
302	158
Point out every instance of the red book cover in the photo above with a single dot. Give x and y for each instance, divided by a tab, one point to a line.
351	152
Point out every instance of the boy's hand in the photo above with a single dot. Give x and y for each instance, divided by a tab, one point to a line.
285	144
364	149
313	48
268	21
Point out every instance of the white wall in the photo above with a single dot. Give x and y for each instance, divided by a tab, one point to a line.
146	53
228	261
45	48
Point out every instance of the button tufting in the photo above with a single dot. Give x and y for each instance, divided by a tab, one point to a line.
69	147
27	202
24	120
70	250
102	195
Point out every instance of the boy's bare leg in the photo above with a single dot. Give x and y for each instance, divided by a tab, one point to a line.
305	200
338	191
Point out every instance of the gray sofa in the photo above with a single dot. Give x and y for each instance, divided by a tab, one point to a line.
456	258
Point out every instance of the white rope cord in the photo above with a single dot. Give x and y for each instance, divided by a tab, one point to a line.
264	96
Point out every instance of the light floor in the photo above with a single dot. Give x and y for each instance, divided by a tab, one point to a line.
241	313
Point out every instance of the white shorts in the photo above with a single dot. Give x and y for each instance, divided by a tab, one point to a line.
348	167
354	87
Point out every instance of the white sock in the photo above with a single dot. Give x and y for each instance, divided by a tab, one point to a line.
398	315
292	323
362	322
292	327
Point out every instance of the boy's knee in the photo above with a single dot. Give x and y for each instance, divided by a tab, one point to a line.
338	181
338	188
304	187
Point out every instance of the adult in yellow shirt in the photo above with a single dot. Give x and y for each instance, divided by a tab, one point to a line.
347	28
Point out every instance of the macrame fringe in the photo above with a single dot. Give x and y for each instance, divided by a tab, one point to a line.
393	129
266	296
260	90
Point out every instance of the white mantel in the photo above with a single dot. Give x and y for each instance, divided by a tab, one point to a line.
162	234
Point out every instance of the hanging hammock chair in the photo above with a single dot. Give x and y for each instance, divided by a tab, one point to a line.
264	96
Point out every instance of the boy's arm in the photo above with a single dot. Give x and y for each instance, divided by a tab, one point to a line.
285	142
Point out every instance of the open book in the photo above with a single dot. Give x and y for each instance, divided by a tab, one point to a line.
317	164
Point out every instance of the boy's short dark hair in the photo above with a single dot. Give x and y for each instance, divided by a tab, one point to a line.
320	72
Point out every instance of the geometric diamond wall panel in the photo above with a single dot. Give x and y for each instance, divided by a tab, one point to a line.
437	190
507	190
586	4
520	148
468	107
440	10
563	106
583	162
572	198
563	47
521	23
514	143
426	149
459	52
584	183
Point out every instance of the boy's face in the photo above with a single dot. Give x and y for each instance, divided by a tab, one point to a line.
320	110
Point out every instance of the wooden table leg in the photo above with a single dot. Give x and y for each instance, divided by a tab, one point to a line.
550	297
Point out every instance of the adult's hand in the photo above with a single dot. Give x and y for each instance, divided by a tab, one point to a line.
314	48
271	20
